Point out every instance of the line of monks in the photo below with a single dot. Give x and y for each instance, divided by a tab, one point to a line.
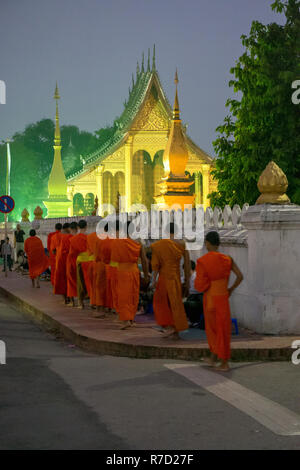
106	271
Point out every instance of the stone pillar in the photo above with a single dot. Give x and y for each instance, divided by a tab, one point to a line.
197	188
272	303
99	187
128	172
70	190
205	185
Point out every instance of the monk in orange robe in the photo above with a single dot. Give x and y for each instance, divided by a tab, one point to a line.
54	245
102	278
78	244
213	271
58	228
38	261
125	254
87	267
60	278
168	306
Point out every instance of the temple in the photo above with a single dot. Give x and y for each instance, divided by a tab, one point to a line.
130	162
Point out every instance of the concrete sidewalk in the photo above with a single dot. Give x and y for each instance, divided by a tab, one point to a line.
104	336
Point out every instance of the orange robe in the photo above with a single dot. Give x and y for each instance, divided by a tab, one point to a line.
107	275
78	244
125	253
52	257
38	261
88	266
60	278
54	245
213	271
167	300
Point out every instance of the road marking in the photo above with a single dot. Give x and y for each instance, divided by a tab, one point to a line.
270	414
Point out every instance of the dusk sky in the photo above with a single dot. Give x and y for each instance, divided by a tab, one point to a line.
91	48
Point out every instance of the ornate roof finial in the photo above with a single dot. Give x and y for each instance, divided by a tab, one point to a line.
176	113
143	69
56	93
153	60
137	70
148	64
272	185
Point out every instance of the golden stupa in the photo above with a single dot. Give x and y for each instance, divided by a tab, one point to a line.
175	186
57	202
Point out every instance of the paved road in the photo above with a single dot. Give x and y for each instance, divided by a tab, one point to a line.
54	396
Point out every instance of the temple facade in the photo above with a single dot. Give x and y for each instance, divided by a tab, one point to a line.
130	162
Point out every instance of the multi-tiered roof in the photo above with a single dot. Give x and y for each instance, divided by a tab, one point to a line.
146	77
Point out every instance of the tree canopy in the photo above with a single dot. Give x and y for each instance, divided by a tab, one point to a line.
32	157
263	124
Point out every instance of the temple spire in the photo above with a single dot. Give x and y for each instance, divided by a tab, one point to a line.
176	112
153	60
148	64
57	129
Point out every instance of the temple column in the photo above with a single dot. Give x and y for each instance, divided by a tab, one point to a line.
128	172
99	187
197	188
205	185
70	192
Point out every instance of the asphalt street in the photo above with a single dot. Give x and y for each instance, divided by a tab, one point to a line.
55	396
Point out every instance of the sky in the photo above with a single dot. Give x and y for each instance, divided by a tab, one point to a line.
91	47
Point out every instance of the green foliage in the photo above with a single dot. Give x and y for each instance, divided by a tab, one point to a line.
263	124
32	157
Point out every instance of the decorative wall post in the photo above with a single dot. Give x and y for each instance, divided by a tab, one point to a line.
272	302
197	188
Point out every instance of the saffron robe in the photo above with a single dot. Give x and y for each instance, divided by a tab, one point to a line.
213	271
52	257
78	244
124	256
38	261
85	270
60	278
106	274
54	245
167	300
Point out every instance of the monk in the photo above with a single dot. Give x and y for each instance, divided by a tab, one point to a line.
60	278
212	276
102	295
85	263
125	254
78	244
58	228
38	261
167	300
54	245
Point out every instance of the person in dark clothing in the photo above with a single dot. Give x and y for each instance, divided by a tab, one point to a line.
194	303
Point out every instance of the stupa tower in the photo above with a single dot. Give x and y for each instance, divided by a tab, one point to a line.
57	202
174	187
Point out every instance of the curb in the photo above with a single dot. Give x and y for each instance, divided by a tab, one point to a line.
111	348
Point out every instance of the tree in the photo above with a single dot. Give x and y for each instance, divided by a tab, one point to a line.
263	124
